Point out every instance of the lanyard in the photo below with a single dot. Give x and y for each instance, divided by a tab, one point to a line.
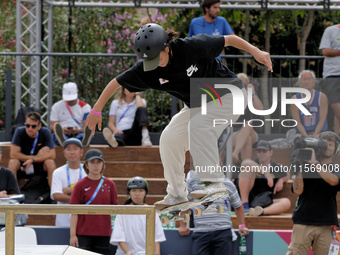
124	113
69	110
34	143
95	192
68	174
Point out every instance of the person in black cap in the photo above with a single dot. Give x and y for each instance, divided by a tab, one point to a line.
168	64
259	180
65	177
93	232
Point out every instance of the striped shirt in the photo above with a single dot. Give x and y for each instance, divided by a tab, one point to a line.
211	221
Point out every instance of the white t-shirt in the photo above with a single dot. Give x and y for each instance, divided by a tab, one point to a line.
61	114
119	110
131	229
59	181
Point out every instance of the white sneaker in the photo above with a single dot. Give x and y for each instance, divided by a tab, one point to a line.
257	211
170	200
108	135
208	188
146	141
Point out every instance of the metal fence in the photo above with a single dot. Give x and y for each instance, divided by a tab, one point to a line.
92	72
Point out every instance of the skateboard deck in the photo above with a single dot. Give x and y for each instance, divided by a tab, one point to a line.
173	212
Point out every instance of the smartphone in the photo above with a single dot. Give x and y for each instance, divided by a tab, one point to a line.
69	127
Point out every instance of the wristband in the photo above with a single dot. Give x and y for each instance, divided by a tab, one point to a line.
95	113
129	252
33	161
242	226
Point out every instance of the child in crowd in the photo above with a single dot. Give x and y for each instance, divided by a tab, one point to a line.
130	230
92	232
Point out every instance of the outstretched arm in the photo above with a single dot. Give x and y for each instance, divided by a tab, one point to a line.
92	119
261	56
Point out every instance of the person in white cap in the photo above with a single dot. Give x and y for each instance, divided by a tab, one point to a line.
68	117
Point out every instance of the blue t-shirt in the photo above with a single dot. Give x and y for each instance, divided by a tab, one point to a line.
219	27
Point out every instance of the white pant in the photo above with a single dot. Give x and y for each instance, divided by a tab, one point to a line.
187	125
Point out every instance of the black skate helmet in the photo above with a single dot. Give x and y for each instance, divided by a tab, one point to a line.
137	182
150	40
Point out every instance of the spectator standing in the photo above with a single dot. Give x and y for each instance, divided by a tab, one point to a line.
92	232
68	117
213	233
65	178
32	151
129	231
318	107
330	46
210	23
316	215
128	121
261	175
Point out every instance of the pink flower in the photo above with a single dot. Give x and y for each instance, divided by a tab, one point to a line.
103	43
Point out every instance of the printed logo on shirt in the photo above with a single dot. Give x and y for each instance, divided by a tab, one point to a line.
162	81
191	70
145	56
86	189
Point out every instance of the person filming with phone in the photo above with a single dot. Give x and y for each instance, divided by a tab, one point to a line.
316	183
68	117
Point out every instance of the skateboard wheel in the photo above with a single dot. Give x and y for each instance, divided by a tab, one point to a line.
165	220
198	211
186	218
219	209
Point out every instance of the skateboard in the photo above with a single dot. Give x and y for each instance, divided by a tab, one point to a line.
173	212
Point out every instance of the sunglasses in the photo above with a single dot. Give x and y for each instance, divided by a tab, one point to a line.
29	125
261	150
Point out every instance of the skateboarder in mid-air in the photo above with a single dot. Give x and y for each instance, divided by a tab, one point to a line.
167	64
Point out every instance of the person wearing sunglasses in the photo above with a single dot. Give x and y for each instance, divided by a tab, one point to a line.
32	153
259	180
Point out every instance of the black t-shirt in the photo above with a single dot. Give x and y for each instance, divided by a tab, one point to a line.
25	142
261	183
8	181
317	204
193	57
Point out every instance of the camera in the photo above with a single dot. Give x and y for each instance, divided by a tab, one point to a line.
300	155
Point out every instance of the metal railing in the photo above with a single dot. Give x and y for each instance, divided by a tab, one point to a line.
10	211
93	71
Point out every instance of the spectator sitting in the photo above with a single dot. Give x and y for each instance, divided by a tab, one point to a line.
92	232
215	229
259	178
128	121
8	183
245	136
310	125
65	178
68	117
32	157
129	230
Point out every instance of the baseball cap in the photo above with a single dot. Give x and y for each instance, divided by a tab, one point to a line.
151	64
74	141
70	91
94	154
262	144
